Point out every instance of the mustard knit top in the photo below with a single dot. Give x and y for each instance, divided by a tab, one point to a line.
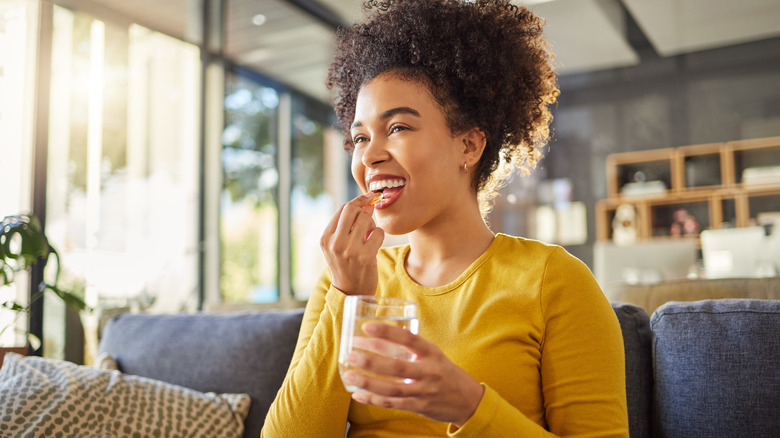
526	319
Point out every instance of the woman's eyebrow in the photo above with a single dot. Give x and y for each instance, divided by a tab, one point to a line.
390	113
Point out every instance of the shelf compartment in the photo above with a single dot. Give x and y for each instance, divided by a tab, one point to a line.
727	216
702	166
761	156
637	167
664	215
762	201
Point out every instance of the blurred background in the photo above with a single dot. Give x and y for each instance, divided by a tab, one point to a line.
181	153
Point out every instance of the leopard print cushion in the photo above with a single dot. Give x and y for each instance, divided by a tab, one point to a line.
53	398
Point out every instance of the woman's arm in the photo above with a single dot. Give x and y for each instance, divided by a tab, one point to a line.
312	400
583	360
582	364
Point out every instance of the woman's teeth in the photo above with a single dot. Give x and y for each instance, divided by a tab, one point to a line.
384	184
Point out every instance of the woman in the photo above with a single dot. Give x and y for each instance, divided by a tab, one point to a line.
439	100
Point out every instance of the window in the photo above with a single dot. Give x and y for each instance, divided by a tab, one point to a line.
249	206
131	157
123	196
17	58
270	248
318	184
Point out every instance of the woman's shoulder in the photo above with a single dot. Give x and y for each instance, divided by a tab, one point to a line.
513	244
535	252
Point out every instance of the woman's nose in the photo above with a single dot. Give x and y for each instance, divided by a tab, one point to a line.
375	152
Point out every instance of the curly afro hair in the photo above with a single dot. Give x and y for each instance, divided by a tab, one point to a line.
484	61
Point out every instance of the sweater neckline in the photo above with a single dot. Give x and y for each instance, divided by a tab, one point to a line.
418	289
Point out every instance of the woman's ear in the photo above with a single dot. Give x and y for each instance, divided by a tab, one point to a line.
473	145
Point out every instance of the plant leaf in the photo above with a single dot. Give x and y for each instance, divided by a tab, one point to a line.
68	298
6	274
34	341
14	306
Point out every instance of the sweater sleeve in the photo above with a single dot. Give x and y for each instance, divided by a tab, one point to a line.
312	400
582	365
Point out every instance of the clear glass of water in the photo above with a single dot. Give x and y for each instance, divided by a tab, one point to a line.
360	309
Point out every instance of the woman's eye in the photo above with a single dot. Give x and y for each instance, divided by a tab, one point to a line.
358	139
397	128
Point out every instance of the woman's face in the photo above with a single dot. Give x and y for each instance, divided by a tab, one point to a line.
404	148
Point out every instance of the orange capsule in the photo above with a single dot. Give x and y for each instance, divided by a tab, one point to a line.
377	198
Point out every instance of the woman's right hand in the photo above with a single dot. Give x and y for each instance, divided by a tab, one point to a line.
350	243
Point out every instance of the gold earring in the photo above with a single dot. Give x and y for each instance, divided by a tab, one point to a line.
465	167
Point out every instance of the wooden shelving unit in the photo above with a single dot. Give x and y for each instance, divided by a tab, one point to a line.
705	179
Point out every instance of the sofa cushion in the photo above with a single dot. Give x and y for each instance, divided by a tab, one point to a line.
47	397
210	352
635	326
716	368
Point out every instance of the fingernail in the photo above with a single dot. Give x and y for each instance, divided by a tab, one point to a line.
370	328
354	359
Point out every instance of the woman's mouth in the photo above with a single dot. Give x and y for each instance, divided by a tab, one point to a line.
389	190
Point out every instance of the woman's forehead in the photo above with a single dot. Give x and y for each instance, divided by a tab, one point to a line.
386	92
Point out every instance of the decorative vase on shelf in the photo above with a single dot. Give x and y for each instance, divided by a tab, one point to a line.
624	226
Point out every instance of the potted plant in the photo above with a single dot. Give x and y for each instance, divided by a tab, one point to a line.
22	245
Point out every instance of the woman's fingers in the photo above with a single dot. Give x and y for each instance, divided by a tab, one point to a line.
405	403
361	202
386	366
398	335
384	386
333	223
390	351
430	384
354	218
350	243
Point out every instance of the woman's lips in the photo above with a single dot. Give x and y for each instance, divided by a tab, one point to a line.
389	196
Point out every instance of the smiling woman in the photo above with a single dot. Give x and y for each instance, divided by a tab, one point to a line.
439	100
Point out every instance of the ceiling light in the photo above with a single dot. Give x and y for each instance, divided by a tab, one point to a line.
258	20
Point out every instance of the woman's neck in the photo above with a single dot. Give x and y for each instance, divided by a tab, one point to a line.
439	254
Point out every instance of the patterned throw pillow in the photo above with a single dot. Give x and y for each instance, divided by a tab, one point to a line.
52	398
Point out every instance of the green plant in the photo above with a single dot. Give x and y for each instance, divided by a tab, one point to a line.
22	245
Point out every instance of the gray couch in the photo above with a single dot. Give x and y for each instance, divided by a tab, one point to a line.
695	369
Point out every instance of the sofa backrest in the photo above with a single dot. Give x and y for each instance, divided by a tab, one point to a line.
209	352
250	353
707	369
717	369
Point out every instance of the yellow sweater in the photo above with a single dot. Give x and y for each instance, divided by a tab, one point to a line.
526	319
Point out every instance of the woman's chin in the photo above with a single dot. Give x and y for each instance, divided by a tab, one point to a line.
394	227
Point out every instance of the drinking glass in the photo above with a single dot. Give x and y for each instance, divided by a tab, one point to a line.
360	309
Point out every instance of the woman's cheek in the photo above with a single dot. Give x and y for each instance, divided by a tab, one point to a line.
358	170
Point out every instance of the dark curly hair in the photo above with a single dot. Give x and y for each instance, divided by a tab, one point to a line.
484	61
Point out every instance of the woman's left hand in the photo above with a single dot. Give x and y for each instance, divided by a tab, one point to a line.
439	389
